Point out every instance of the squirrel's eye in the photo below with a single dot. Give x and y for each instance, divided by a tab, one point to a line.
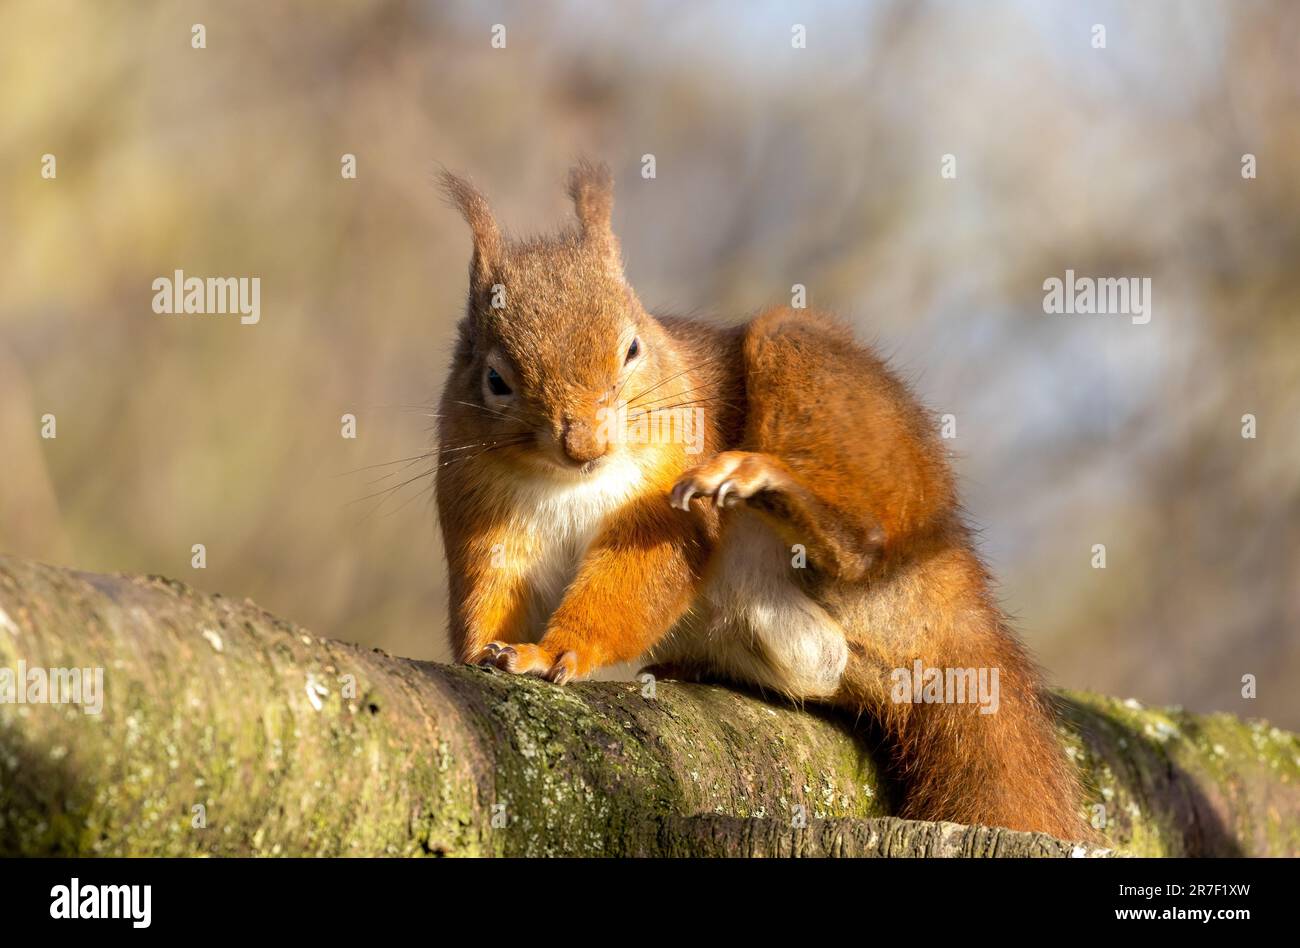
633	351
496	384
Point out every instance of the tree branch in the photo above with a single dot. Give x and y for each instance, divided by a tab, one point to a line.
225	730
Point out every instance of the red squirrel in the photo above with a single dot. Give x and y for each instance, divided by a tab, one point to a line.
804	536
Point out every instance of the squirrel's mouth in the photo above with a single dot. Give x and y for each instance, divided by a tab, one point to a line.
579	469
557	463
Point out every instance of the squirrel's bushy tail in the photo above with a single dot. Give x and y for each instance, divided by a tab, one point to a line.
1000	767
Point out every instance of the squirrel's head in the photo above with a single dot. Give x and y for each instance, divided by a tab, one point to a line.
553	338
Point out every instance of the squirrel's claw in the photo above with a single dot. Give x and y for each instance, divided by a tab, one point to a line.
729	478
527	659
564	670
488	655
503	656
725	488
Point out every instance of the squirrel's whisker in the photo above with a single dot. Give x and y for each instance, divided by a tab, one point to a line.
691	403
477	444
665	398
663	382
423	491
490	446
386	490
371	467
634	371
514	441
493	411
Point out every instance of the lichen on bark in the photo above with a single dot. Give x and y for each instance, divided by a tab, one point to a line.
228	731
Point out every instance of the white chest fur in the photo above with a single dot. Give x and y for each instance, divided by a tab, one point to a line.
555	521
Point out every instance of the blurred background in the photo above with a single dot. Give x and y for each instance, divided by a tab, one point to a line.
774	166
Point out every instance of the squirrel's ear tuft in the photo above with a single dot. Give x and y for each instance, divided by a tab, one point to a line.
592	188
474	208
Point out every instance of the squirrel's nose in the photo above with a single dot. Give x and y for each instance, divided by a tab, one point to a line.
582	443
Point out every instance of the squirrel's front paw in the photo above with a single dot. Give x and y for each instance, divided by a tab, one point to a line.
729	478
524	659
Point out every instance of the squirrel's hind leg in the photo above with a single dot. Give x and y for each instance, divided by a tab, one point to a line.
762	627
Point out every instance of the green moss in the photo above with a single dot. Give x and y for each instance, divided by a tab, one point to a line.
414	766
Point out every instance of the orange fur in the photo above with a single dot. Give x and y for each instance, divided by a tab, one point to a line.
566	553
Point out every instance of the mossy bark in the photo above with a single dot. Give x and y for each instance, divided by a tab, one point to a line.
225	730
